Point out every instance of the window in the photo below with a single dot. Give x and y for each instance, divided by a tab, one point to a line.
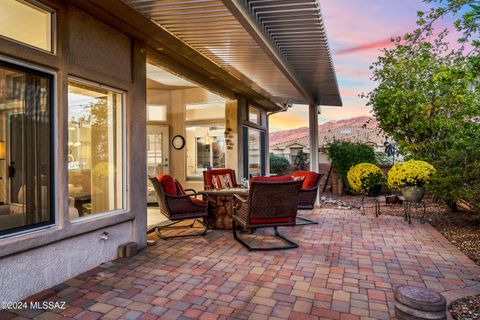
27	22
205	149
202	111
157	113
254	151
95	149
26	159
253	115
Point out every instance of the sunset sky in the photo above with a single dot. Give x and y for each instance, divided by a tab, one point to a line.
357	30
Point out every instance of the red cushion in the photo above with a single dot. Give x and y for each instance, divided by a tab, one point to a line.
272	220
210	173
310	178
180	190
198	201
168	183
271	179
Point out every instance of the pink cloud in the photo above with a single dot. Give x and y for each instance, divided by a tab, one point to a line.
366	47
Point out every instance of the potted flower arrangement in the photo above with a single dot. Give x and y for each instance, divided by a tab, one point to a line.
411	177
366	178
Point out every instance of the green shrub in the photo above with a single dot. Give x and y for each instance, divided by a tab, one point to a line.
278	165
344	155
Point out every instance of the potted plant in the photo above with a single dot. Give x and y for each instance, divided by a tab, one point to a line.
366	178
411	177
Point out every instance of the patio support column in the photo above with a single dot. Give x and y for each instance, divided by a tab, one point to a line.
313	126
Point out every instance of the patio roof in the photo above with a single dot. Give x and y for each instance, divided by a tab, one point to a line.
279	45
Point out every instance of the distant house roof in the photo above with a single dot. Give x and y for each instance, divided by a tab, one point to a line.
374	136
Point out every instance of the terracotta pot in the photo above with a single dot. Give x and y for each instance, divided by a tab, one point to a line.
413	193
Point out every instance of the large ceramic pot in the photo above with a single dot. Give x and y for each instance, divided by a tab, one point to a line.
413	193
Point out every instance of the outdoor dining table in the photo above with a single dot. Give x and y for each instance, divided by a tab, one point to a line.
220	206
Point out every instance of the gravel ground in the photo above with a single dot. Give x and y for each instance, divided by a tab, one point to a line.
466	309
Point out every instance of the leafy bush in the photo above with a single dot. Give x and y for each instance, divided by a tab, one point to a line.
410	173
301	161
278	165
344	155
364	176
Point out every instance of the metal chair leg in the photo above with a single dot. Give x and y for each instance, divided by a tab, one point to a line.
171	226
290	244
305	221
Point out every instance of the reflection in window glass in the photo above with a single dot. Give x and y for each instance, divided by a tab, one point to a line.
254	152
25	149
95	151
253	115
24	22
156	113
205	149
200	111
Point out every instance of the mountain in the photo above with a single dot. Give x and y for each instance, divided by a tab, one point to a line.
285	135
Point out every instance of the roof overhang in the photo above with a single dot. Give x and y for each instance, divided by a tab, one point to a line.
232	47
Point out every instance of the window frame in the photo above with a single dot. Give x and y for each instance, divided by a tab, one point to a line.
125	203
263	151
185	118
53	158
187	176
53	28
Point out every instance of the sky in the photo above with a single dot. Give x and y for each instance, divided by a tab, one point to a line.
357	30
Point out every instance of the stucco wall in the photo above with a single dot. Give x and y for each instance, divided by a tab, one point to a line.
24	274
90	50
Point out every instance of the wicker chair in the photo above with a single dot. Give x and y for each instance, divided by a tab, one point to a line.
269	204
209	174
308	194
178	206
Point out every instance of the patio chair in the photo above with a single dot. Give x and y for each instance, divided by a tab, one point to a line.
178	205
308	193
219	179
272	203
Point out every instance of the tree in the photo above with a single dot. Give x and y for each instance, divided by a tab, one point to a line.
428	96
301	161
345	155
278	165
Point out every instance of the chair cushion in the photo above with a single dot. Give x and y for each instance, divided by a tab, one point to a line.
167	183
310	178
221	181
272	220
271	179
208	175
198	201
180	190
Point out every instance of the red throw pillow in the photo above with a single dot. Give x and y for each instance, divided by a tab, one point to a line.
180	190
310	178
222	181
167	183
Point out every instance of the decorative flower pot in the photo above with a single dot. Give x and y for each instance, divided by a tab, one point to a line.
413	193
374	190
